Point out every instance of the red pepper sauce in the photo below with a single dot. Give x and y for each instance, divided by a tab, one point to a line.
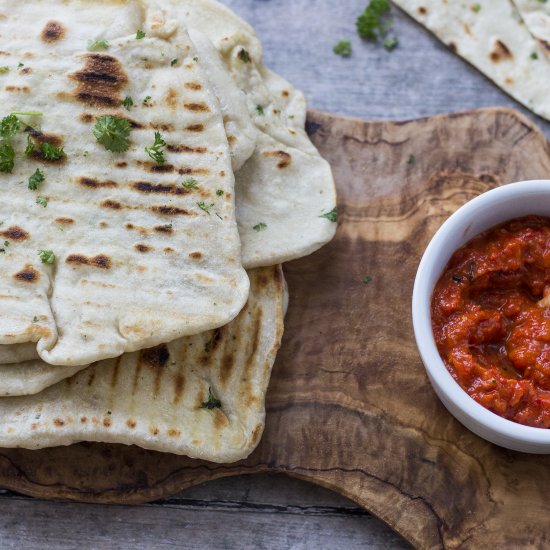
491	319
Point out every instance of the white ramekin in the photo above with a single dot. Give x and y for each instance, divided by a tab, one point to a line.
489	209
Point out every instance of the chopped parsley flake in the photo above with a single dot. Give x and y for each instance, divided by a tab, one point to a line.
42	201
4	69
476	7
146	100
411	159
190	183
7	156
391	43
35	319
140	34
155	151
203	206
371	24
9	126
29	149
342	48
260	110
260	227
244	56
219	192
367	279
534	55
47	256
36	179
331	216
196	59
128	103
20	65
97	45
212	403
112	132
51	152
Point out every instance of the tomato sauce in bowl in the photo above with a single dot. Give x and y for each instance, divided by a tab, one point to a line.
491	319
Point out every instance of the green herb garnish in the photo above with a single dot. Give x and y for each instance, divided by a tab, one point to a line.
342	48
190	183
29	149
196	59
146	100
331	216
47	256
155	151
244	56
42	201
367	279
476	8
9	126
174	62
219	192
51	152
390	43
260	110
98	45
7	156
35	319
36	179
140	34
371	24
203	206
411	159
212	403
112	132
260	227
4	69
128	103
534	55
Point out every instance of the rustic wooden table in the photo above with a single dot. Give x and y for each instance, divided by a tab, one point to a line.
419	78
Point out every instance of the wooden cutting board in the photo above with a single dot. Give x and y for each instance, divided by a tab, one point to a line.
349	405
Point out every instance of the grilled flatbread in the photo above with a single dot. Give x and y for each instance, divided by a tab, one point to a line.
202	396
139	258
491	35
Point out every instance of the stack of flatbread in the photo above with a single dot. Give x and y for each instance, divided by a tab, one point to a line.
507	40
154	176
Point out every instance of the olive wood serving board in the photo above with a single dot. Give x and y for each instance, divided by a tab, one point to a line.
349	405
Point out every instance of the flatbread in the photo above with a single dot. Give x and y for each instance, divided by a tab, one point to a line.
158	398
491	35
138	261
285	187
536	16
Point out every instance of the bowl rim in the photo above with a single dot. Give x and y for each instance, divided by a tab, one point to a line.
422	324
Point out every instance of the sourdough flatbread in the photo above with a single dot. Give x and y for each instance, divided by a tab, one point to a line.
491	35
159	398
285	187
140	259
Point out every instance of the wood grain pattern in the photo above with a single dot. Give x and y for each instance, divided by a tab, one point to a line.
350	406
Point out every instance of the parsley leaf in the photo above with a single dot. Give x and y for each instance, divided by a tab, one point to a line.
51	152
7	156
128	103
190	183
196	59
174	62
47	256
342	48
331	216
203	206
411	159
36	179
29	149
244	56
371	23
9	126
260	227
140	34
155	151
260	110
534	55
477	7
112	132
390	43
219	192
42	201
212	403
35	319
147	99
97	45
4	69
367	279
